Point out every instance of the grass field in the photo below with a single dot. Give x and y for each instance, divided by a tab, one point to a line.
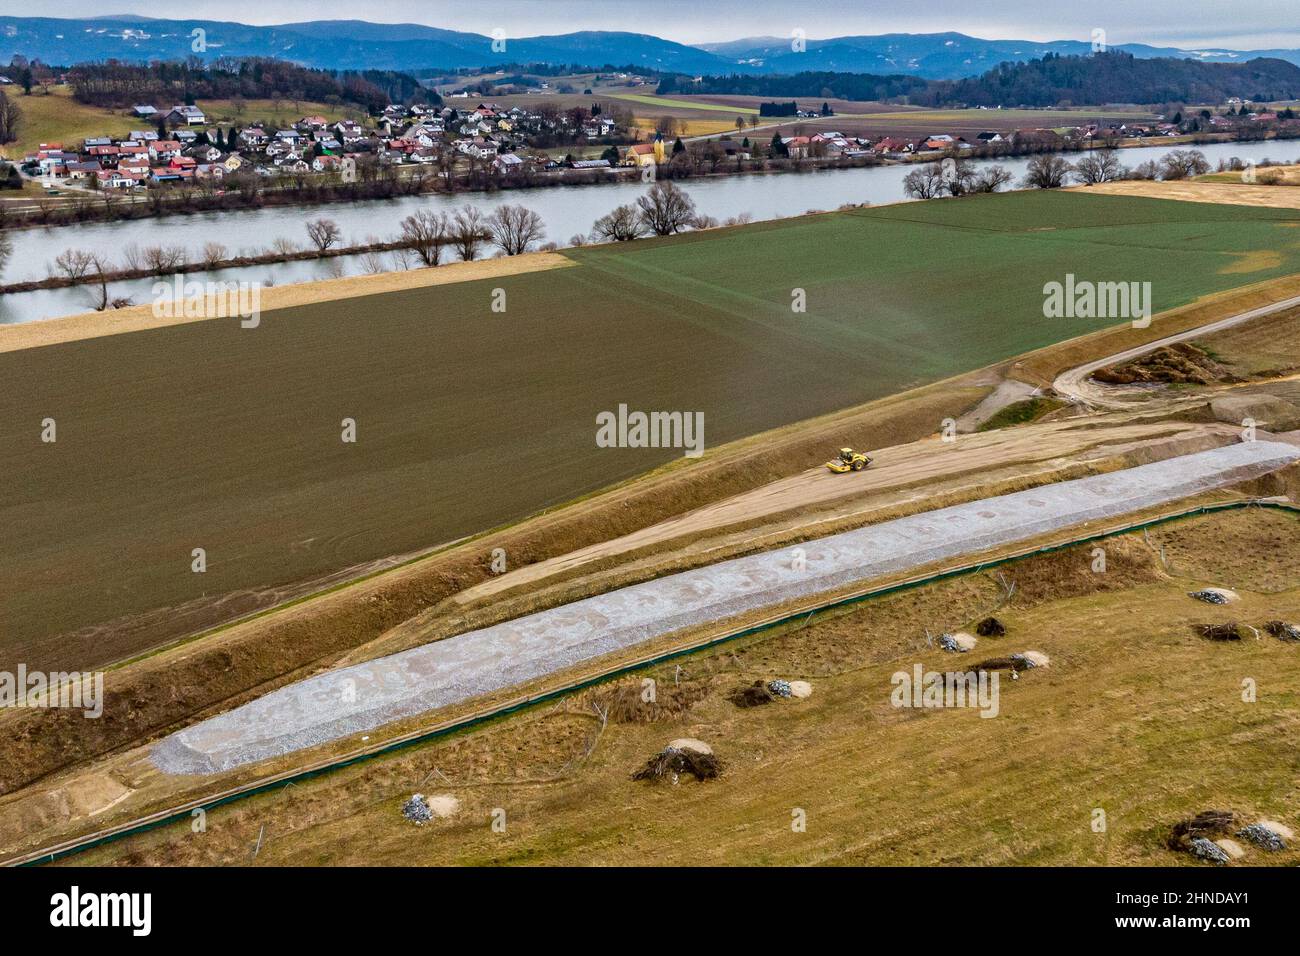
209	435
58	118
668	102
1137	716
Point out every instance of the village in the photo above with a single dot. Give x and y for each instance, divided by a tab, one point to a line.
513	145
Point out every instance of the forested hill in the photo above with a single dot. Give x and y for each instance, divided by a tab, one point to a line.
1112	77
1118	78
848	86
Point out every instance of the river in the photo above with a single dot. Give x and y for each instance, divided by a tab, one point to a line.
566	210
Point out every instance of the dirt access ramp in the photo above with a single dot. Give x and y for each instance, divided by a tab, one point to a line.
362	697
916	464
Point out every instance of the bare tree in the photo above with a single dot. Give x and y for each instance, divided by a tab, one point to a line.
1099	166
284	246
131	256
323	233
957	175
924	182
621	225
515	228
991	179
11	118
213	253
101	279
73	264
1147	170
424	233
1046	172
468	232
1183	164
666	210
161	260
6	247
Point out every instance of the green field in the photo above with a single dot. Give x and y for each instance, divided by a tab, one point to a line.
213	436
670	103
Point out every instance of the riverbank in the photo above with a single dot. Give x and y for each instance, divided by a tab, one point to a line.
93	325
566	211
94	206
101	277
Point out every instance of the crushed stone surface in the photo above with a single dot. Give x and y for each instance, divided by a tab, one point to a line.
356	699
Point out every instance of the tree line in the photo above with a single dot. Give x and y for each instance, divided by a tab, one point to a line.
1105	77
114	84
957	176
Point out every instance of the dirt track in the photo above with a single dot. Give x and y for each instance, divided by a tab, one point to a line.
897	467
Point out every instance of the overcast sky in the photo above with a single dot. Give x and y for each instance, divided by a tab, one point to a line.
1186	23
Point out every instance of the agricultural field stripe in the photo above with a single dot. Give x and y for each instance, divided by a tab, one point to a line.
365	696
138	318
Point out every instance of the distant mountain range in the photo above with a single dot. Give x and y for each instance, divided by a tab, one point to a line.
357	44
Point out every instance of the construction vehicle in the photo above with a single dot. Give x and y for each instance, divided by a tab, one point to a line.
849	460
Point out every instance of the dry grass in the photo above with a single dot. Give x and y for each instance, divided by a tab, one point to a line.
1137	715
57	118
1233	194
1041	367
1265	347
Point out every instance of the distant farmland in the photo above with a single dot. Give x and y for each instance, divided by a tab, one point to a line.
209	435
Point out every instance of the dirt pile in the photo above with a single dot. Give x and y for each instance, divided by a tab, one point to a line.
754	695
1015	663
1267	411
1180	364
990	627
1231	631
1204	826
672	762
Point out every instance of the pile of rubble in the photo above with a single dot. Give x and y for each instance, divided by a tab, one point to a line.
779	688
1221	632
1263	836
417	810
1207	850
682	756
1209	596
958	643
1196	835
1027	659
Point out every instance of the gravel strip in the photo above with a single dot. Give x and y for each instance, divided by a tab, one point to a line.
359	698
